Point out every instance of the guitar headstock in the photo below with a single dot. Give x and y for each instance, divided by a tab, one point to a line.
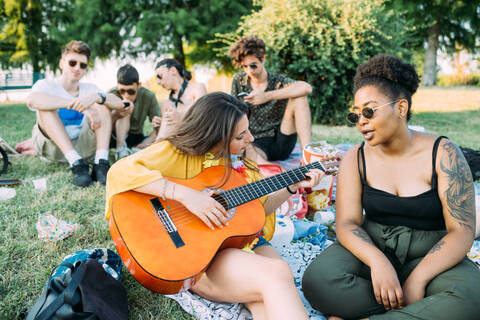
329	165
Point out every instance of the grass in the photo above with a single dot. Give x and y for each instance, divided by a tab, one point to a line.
25	261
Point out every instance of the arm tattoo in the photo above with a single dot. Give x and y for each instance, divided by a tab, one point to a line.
359	232
437	246
459	192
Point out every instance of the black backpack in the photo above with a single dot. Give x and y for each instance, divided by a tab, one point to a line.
85	292
473	160
4	157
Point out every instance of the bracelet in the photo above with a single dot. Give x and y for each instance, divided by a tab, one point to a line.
290	191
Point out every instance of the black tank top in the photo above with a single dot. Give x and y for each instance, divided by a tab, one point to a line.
423	211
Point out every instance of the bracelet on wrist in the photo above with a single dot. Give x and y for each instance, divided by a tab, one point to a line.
290	190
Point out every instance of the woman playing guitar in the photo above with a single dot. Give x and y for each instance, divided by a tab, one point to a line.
217	125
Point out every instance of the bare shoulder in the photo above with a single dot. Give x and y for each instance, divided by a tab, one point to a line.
455	185
452	163
349	159
449	149
198	88
351	154
424	139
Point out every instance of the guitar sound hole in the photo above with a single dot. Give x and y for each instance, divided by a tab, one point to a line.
217	195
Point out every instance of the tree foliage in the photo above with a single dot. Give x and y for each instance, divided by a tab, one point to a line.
323	42
33	31
446	24
168	27
24	36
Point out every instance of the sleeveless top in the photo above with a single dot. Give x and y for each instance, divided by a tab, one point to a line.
423	211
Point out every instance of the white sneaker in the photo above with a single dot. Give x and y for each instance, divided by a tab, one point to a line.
122	152
134	149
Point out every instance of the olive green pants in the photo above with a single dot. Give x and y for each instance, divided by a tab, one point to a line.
339	284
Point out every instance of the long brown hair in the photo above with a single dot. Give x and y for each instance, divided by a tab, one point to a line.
212	119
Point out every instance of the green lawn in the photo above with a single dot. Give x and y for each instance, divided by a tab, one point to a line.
462	127
25	261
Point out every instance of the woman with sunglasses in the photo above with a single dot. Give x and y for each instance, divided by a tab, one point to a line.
214	129
171	75
405	257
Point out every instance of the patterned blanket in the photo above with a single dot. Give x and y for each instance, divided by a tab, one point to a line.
298	255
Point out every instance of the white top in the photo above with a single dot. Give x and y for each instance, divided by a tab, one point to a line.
54	87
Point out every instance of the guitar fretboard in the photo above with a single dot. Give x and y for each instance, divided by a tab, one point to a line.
243	194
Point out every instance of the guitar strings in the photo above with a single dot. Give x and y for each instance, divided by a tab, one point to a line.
177	213
181	215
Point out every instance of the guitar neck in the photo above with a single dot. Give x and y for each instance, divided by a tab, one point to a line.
248	192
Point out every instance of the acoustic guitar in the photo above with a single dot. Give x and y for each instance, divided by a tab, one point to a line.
167	248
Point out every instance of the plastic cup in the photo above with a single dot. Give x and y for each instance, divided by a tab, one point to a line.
40	184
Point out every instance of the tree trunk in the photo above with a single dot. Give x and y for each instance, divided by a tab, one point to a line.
429	77
35	64
178	53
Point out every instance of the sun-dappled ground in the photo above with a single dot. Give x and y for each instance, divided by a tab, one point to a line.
445	99
25	262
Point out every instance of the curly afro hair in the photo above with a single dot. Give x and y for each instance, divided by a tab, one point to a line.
245	47
391	75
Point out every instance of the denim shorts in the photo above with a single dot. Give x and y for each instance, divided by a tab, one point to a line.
261	242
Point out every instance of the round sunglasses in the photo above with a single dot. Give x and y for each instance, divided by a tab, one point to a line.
252	66
129	91
367	112
73	63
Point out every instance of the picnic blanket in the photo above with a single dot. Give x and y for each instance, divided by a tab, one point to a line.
298	255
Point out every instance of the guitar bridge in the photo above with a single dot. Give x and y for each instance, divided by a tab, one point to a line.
167	222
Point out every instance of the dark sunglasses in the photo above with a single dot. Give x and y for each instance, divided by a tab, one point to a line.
252	66
73	63
367	112
129	91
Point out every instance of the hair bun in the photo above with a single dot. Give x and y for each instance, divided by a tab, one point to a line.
390	68
186	74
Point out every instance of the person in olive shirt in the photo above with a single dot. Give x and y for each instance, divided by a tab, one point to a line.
128	123
278	105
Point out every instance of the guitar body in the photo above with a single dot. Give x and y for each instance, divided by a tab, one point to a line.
158	259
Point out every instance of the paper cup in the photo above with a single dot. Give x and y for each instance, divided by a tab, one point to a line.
324	217
309	156
7	193
40	184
